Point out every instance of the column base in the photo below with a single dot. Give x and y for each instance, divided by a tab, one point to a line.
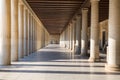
94	59
14	60
109	67
1	64
77	50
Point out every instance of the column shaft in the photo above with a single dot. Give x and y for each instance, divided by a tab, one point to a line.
73	35
5	32
28	23
33	34
113	54
78	35
25	31
70	36
30	33
84	38
94	41
21	31
14	30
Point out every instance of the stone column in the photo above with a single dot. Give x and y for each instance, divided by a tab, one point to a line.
14	30
25	31
78	35
29	33
70	36
113	54
28	23
84	37
21	31
33	34
5	32
94	40
73	35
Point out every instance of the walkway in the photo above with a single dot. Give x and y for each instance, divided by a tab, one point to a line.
55	63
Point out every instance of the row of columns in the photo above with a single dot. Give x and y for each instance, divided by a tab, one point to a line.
18	31
79	38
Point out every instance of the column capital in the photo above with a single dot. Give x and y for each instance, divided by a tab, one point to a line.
84	10
21	2
73	21
78	15
25	8
94	0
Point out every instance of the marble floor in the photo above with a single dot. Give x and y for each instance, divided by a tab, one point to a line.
55	63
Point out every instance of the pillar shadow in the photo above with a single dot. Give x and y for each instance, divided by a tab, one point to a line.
47	65
58	72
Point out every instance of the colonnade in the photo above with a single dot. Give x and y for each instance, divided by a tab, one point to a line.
80	36
21	32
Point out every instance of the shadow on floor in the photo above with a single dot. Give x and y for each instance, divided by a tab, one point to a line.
48	65
59	72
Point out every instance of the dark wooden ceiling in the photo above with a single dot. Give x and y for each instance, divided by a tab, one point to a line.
56	14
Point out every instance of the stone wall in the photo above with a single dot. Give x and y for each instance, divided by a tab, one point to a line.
103	33
54	39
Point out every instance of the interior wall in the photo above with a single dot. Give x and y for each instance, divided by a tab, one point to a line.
54	39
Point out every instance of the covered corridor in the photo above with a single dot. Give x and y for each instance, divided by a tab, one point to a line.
54	62
59	39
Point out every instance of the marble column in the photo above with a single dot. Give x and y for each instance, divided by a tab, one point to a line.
25	31
14	30
73	35
70	36
5	32
33	35
94	40
30	33
84	37
113	54
78	35
21	31
28	23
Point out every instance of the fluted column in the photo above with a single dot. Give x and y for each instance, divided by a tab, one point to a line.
21	31
73	35
5	32
84	37
113	54
33	35
25	31
70	36
14	30
28	23
78	35
94	40
30	33
31	28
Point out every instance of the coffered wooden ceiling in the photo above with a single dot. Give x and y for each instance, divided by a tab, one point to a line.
56	14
